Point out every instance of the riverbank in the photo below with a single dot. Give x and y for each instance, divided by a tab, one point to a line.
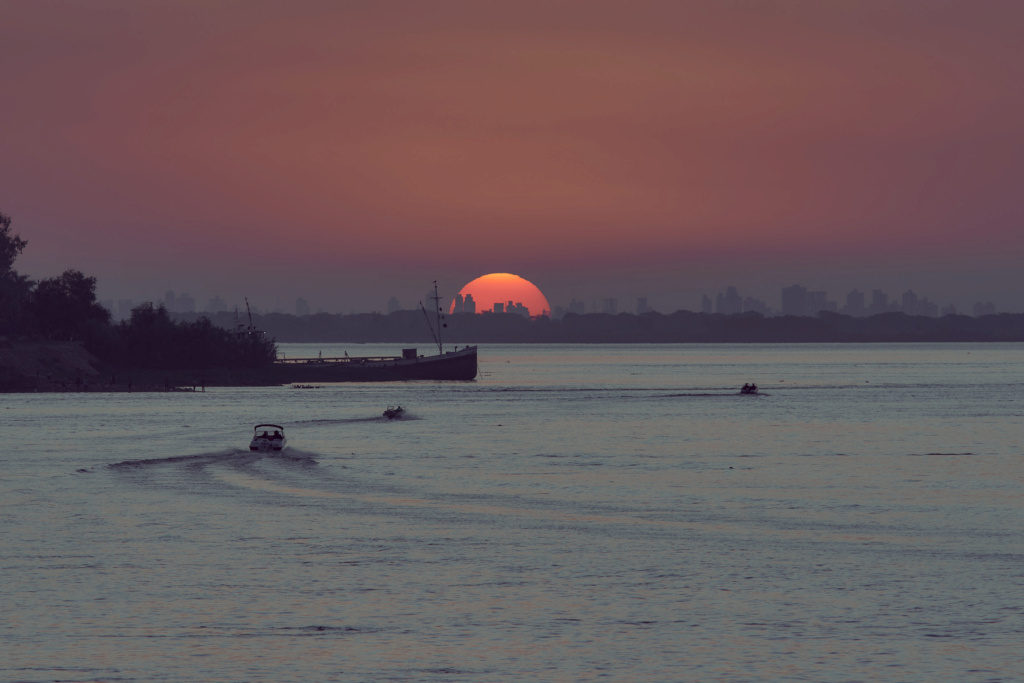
45	366
59	366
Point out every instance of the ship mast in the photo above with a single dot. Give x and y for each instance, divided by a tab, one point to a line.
249	312
437	311
440	318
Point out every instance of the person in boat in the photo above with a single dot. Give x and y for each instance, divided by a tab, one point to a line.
745	389
277	435
264	435
753	388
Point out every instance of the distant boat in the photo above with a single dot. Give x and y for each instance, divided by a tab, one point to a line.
749	390
265	441
243	331
394	411
460	364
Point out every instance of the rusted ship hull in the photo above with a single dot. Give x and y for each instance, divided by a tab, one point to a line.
453	365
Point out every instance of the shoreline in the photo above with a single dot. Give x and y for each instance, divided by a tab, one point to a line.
30	367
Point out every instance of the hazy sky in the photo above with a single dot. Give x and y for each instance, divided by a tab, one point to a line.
347	152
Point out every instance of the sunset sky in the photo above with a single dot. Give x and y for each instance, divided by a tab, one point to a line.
347	152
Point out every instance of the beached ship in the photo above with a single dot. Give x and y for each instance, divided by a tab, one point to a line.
448	365
458	364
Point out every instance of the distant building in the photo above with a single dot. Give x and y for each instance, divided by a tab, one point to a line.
729	303
518	308
794	300
499	307
185	304
814	302
610	306
752	305
910	302
641	305
705	304
469	305
576	307
855	304
459	305
879	302
949	310
986	308
914	306
216	305
302	306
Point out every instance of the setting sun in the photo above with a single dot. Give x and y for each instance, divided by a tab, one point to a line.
501	292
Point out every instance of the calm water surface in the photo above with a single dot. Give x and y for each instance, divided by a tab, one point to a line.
578	513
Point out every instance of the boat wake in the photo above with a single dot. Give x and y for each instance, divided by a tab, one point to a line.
233	456
358	420
341	421
404	417
709	395
274	476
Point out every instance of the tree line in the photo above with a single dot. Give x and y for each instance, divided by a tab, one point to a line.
402	327
65	308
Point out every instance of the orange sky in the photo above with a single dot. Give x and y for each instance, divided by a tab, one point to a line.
658	149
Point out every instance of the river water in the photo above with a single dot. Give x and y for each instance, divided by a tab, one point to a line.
578	513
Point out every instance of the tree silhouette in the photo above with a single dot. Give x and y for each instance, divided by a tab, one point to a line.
150	339
14	288
11	246
65	307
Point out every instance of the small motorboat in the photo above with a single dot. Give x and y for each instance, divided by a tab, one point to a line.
394	411
749	390
266	440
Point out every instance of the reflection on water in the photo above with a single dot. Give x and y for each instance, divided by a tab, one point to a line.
578	513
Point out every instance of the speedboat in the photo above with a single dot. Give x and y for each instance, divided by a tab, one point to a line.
394	411
266	440
749	390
